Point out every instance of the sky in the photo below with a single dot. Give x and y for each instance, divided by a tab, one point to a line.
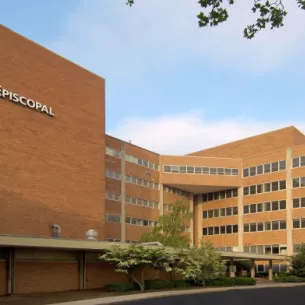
171	86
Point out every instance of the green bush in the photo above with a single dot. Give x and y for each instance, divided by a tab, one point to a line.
159	284
289	279
182	283
283	274
244	281
231	281
262	274
119	287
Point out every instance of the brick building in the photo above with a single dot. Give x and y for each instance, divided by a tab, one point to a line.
62	176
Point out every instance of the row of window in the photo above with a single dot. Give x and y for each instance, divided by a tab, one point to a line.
224	249
229	229
274	225
265	207
140	222
113	175
266	249
276	268
220	195
229	211
141	162
142	202
298	182
299	223
298	161
204	170
113	196
265	188
132	159
112	218
175	191
167	207
298	203
142	182
264	168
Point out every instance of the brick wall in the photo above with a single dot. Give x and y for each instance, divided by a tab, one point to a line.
46	276
3	278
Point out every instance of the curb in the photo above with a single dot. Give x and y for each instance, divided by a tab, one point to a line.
156	295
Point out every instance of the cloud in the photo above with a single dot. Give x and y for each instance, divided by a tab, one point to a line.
189	132
113	39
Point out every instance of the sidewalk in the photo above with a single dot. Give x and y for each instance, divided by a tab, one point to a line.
136	297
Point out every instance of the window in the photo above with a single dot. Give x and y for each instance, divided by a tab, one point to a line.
267	187
260	227
235	228
198	170
220	171
223	212
282	224
252	227
167	169
303	223
275	186
205	170
228	171
296	223
253	208
229	211
267	168
246	227
113	152
267	206
235	193
216	231
229	229
246	209
113	175
234	171
113	218
246	172
283	185
259	188
235	210
275	225
252	171
268	226
302	184
295	162
275	205
210	230
213	170
190	170
302	161
216	213
282	165
253	189
296	203
182	169
259	169
228	193
205	231
274	166
259	207
205	214
295	182
222	195
222	230
282	204
302	202
210	213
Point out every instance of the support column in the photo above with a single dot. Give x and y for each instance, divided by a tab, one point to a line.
11	267
82	271
240	220
161	196
289	222
123	194
231	268
192	220
252	268
199	219
270	270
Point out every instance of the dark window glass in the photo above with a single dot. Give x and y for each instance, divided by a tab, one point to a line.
295	182
282	224
213	170
246	209
205	197
246	172
267	226
259	169
296	223
229	211
252	227
234	171
267	168
229	229
274	166
275	250
268	249
216	213
275	225
296	162
283	185
246	190
235	210
253	208
235	228
228	193
267	206
260	226
303	202
302	184
216	230
259	207
222	230
205	214
253	189
246	227
282	204
275	205
303	223
267	187
275	186
235	193
205	231
210	196
228	171
252	171
222	195
223	212
205	170
296	203
220	171
210	230
302	162
216	195
259	188
210	214
282	165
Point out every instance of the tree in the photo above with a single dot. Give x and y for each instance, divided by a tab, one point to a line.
298	262
203	263
136	259
170	230
270	13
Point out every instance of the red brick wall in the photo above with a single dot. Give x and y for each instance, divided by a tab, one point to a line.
52	169
3	278
46	276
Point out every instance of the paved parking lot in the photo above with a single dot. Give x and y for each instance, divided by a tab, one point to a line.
266	296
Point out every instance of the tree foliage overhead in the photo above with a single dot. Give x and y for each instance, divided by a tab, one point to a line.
170	230
298	262
269	13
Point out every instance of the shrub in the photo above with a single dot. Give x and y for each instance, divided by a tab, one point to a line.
262	274
158	284
119	287
231	281
244	281
289	279
182	283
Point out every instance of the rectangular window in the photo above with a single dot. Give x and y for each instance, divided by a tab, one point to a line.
175	169
275	205
222	230
205	231
234	171
302	202
303	223
234	193
283	205
274	166
235	210
216	195
252	171
204	197
210	197
259	188
268	249
295	162
205	170
267	226
213	170
295	182
216	213
220	171
210	230
252	189
246	209
246	227
182	169
275	186
259	207
223	212
253	208
275	225
167	169
302	182
282	224
296	203
113	218
229	229
198	170
267	187
282	165
216	230
302	161
210	214
296	223
235	228
229	211
259	169
267	206
246	191
246	172
228	171
267	168
252	227
260	227
222	195
283	185
190	170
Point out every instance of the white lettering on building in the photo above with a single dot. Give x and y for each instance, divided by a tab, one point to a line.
14	97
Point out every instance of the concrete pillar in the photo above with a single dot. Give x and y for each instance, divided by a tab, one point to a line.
161	196
252	268
123	193
270	270
11	267
192	220
231	268
199	219
289	207
82	271
240	220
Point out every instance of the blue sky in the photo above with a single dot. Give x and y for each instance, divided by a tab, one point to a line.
172	87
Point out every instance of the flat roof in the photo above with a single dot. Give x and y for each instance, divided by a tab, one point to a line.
72	244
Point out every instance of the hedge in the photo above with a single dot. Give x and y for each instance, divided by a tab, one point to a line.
231	281
119	287
289	279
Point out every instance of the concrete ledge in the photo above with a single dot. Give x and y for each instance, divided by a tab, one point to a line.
162	294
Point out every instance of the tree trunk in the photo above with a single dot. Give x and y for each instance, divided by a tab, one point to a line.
140	283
